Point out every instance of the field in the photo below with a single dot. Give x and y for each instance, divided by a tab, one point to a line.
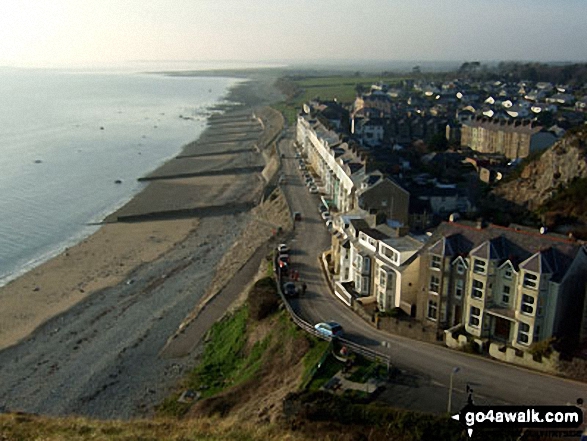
300	90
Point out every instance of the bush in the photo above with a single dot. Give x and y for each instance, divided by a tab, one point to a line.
263	300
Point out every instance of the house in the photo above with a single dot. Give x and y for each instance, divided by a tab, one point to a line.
581	104
564	99
374	262
384	195
503	284
512	139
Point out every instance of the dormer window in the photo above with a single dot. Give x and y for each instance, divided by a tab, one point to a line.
435	262
460	268
479	266
508	273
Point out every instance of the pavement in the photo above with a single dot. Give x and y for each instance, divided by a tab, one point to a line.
425	368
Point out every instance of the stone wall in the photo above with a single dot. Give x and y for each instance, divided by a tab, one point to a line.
408	328
523	358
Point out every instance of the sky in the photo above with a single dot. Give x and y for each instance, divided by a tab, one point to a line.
41	33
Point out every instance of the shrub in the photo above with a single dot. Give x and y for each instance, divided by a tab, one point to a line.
263	300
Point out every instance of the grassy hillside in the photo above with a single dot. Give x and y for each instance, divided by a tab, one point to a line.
257	380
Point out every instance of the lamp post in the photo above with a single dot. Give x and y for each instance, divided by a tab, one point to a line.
454	371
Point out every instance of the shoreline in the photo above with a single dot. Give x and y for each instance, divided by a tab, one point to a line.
37	254
133	286
48	262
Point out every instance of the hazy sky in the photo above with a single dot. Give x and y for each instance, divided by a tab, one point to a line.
79	32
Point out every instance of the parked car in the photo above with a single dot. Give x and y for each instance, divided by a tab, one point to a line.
289	289
284	258
282	248
329	329
322	208
282	267
297	216
313	189
326	215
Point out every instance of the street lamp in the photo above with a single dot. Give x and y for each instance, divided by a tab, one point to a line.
454	371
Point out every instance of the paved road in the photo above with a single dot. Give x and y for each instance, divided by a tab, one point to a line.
426	367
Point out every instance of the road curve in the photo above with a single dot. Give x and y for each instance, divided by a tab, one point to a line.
429	366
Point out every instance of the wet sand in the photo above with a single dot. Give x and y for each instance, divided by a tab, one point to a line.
82	332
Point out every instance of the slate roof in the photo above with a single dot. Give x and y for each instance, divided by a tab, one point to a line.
524	249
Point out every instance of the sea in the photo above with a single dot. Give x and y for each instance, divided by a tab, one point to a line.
74	142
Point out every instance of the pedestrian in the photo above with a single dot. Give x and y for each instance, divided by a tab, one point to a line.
304	288
297	275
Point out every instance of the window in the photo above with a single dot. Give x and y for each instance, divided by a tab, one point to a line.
365	287
527	304
530	280
432	309
460	268
474	317
435	284
367	264
390	254
479	266
477	291
436	262
459	288
505	297
382	278
524	333
508	272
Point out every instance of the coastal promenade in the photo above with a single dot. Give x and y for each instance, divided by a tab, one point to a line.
81	334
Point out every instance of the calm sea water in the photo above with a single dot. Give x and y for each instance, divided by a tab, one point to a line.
66	137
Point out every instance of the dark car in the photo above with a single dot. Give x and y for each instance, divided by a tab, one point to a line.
297	216
289	289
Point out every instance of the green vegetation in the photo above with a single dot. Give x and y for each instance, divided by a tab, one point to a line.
299	90
365	369
319	351
224	362
385	422
329	367
231	359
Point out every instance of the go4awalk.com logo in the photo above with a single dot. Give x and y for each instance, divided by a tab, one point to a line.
510	417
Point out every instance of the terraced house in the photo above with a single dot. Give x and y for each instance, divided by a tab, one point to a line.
332	160
505	285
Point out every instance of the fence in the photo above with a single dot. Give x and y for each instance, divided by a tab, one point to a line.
366	352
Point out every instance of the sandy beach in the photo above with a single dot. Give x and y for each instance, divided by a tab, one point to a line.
82	332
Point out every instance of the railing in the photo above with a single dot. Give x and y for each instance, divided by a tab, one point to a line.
355	347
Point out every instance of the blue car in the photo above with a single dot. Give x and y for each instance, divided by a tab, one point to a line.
329	329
